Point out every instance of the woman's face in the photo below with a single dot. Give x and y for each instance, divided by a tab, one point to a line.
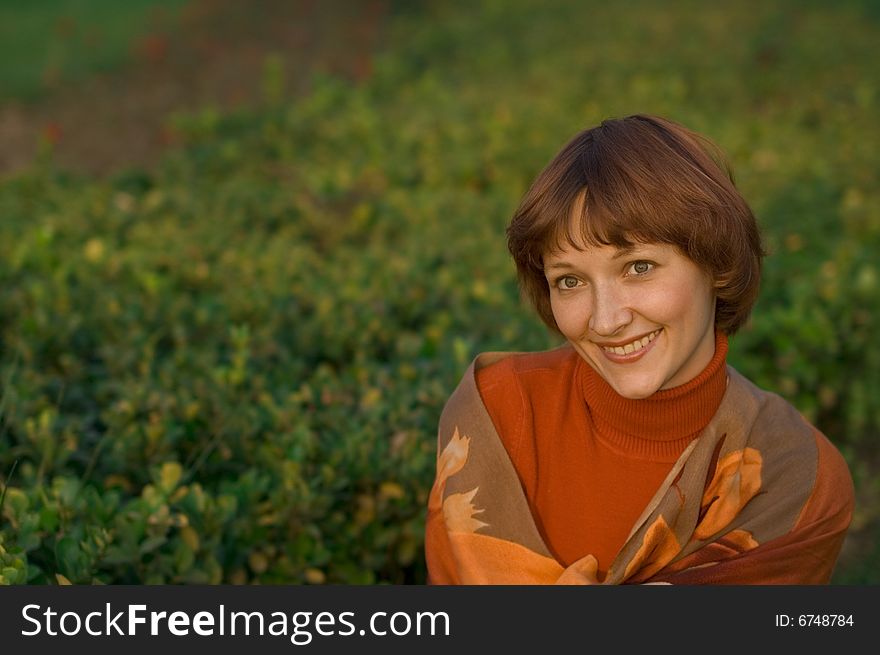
643	318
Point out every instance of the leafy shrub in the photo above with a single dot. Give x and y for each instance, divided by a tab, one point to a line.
230	369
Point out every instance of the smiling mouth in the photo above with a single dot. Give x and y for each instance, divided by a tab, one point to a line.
633	346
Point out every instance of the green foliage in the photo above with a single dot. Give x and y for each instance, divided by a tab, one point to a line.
43	43
231	369
13	569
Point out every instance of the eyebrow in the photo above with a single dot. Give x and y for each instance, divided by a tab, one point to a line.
621	252
558	265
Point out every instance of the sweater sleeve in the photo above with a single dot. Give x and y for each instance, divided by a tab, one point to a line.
806	555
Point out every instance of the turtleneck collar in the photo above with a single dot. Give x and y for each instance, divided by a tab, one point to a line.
661	425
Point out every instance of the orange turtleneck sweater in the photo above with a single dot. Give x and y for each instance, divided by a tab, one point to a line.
589	459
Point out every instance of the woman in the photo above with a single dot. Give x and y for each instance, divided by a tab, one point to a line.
633	453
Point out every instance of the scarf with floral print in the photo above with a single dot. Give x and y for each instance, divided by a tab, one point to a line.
730	511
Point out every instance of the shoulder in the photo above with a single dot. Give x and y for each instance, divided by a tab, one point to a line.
499	374
833	495
796	449
514	388
516	385
773	422
512	369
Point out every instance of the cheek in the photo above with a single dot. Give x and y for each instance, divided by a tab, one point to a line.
572	316
688	304
669	303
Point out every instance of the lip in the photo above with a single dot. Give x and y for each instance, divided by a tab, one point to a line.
631	357
615	344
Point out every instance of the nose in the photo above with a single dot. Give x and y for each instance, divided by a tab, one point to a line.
610	312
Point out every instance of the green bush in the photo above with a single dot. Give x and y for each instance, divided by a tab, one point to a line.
45	44
230	369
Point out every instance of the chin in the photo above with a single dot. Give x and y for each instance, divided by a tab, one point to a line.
637	395
636	391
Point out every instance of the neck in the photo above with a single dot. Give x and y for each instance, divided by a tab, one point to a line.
661	425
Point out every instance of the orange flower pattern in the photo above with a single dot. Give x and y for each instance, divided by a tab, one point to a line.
458	512
742	539
449	462
458	509
736	481
659	546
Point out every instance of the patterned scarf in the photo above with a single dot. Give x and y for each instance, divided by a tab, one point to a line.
733	509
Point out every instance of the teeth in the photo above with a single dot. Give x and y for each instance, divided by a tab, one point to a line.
632	347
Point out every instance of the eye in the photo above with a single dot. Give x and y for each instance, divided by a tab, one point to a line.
566	282
640	268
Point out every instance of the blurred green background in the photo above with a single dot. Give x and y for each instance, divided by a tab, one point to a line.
248	249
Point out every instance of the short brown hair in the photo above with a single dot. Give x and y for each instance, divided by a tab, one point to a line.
642	179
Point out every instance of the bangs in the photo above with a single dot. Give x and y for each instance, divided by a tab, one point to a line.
598	214
588	223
